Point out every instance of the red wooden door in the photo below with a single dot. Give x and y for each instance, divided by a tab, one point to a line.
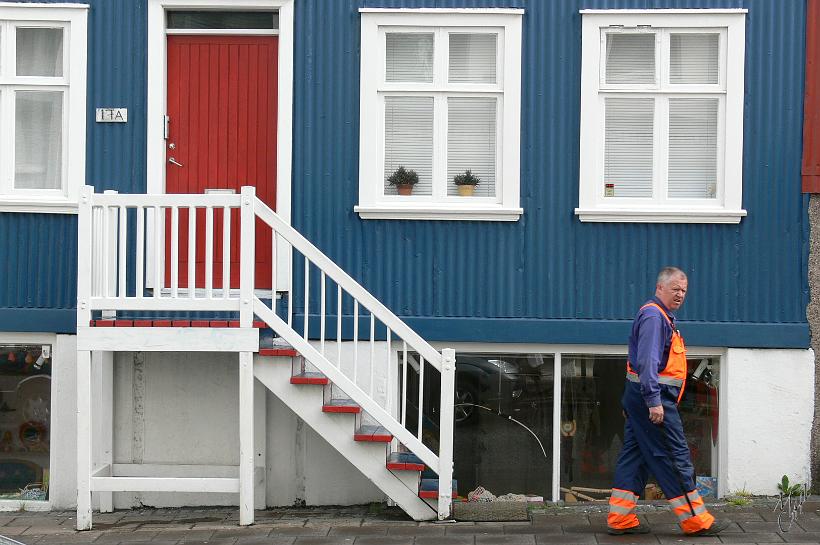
222	93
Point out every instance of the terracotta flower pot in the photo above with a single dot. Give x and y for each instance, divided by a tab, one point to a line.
405	189
465	190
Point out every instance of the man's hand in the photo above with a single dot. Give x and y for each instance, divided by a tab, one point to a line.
656	414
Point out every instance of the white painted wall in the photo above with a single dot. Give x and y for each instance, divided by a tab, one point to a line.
768	418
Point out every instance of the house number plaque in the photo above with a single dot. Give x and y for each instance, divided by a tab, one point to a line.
112	115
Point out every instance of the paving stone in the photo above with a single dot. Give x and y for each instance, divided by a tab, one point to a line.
682	539
505	539
357	531
765	527
117	537
800	537
446	540
264	540
750	538
384	540
241	531
78	537
560	519
224	541
531	529
454	530
335	540
422	530
584	528
299	531
550	539
188	535
640	539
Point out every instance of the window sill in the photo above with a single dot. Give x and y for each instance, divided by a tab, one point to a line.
638	215
428	212
37	206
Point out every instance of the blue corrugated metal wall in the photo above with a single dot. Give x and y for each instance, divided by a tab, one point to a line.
548	277
41	249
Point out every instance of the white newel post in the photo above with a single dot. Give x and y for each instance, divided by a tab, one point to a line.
246	401
84	279
445	454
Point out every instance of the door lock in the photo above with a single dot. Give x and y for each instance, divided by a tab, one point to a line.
172	146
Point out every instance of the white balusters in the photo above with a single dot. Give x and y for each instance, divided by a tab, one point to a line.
322	315
159	227
192	252
372	352
174	251
226	252
421	394
339	326
123	246
307	297
355	340
404	385
209	252
139	264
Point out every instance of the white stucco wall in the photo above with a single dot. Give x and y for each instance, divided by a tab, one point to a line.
768	417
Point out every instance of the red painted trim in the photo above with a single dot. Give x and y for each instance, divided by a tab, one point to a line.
259	324
91	323
200	323
142	323
431	494
123	323
219	323
288	352
341	409
162	323
104	323
181	323
811	101
396	466
233	323
373	438
298	379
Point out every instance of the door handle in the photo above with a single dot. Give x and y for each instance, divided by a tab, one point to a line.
174	162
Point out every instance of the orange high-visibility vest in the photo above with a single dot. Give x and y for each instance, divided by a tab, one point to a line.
674	374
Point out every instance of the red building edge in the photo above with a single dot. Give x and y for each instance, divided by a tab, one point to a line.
811	102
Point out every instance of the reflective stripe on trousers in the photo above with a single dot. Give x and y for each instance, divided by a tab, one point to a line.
622	509
669	381
691	519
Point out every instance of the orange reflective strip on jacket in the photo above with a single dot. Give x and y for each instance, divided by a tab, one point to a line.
622	509
674	373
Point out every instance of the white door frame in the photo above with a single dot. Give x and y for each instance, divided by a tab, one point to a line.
157	108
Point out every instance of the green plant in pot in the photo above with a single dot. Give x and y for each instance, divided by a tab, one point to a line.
404	180
466	182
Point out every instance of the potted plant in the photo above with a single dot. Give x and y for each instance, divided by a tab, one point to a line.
404	180
466	183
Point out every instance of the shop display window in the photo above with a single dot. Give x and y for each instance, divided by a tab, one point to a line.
25	420
592	423
503	421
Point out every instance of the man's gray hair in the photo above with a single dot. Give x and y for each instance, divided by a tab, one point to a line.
668	273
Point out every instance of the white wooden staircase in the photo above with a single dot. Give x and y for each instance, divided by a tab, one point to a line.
344	384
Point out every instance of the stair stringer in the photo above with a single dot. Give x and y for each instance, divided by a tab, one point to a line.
337	429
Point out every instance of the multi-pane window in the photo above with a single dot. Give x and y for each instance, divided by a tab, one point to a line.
661	130
41	130
440	97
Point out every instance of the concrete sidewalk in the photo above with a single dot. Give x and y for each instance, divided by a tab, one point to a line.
365	526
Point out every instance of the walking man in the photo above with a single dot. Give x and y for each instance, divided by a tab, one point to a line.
653	434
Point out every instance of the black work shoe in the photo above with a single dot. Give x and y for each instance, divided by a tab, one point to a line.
716	527
639	529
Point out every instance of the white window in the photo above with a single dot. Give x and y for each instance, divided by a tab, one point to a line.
440	95
42	106
662	116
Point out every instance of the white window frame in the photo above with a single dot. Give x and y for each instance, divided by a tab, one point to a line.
72	18
373	203
726	207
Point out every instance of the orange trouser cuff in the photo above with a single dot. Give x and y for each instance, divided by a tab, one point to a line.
691	514
622	509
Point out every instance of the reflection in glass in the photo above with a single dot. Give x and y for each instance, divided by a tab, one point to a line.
503	421
25	421
592	422
38	139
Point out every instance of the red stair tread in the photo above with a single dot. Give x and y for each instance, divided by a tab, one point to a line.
309	378
145	322
341	406
404	461
374	434
278	352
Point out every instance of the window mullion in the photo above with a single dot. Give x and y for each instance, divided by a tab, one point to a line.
439	146
661	177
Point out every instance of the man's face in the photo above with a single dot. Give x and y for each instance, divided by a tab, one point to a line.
673	292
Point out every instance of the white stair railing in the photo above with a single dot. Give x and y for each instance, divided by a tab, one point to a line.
166	229
348	378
